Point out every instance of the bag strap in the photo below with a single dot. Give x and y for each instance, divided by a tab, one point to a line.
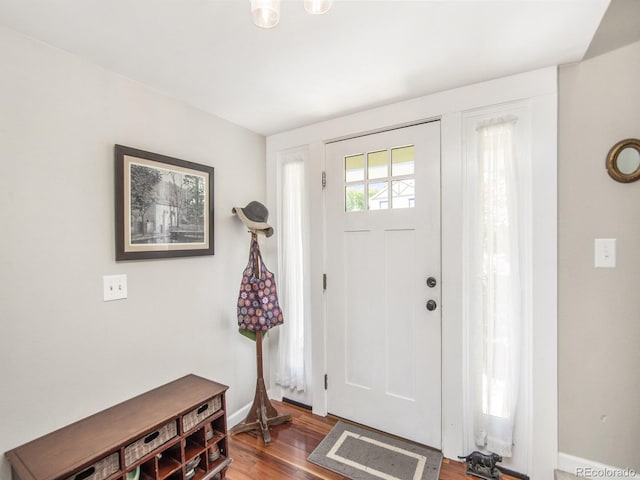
263	267
255	259
252	260
258	257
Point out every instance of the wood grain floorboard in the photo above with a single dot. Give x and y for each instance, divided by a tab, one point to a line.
291	444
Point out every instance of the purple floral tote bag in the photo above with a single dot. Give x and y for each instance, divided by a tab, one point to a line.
258	307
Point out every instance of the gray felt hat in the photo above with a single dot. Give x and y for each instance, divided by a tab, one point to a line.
255	216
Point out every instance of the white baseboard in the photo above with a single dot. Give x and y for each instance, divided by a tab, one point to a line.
584	468
238	416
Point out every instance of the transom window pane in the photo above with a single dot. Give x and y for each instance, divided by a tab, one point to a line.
404	192
379	196
377	164
380	180
402	162
354	168
354	197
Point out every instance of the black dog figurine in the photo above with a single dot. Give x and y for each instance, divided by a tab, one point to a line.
483	465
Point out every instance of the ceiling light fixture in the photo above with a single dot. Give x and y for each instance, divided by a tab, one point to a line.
266	13
317	7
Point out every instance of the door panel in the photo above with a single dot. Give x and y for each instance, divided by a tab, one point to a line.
400	250
383	241
359	281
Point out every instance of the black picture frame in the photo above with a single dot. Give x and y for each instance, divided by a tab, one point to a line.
163	206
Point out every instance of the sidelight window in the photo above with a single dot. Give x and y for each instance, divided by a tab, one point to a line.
497	270
291	361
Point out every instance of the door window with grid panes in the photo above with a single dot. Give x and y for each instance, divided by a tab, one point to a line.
380	180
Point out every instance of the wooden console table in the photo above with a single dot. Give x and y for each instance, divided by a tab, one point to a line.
175	432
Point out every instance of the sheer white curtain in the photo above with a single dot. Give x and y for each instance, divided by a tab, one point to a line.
496	324
290	370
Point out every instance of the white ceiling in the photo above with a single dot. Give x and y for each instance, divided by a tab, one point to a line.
309	68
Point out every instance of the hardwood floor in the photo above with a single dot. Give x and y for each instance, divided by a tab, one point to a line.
291	444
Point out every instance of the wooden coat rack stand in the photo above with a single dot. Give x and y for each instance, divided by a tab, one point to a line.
262	414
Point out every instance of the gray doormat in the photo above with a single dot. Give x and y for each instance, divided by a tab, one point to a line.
360	454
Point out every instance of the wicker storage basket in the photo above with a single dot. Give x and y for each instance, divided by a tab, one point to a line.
100	470
196	416
141	447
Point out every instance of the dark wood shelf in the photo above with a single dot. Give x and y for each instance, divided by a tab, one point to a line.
217	436
215	416
218	466
167	467
192	450
77	448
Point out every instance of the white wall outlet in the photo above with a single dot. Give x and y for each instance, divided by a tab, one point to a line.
115	287
605	252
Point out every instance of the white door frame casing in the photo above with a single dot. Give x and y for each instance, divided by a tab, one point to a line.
540	88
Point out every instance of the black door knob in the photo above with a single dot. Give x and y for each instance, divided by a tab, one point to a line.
431	305
431	282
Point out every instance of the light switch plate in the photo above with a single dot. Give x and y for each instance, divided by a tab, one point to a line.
115	287
605	252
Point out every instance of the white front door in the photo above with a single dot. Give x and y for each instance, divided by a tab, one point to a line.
383	243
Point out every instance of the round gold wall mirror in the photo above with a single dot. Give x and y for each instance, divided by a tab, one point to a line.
623	161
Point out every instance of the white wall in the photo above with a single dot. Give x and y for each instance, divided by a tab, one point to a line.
599	315
64	353
540	88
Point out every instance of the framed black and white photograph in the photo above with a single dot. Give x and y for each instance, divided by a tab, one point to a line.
164	206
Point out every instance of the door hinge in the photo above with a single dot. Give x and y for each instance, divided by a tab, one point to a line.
324	281
324	179
326	381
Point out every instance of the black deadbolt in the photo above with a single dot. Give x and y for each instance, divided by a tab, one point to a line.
431	282
431	305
